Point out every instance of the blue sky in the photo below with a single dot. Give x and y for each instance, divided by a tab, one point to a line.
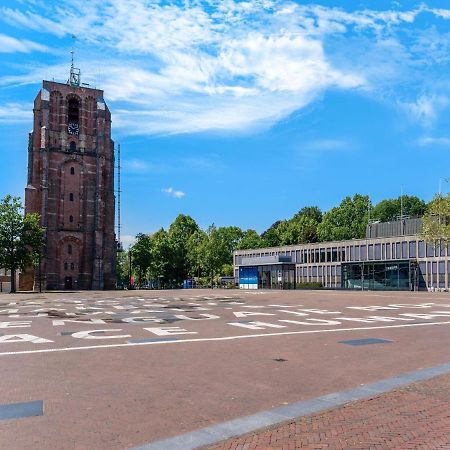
242	112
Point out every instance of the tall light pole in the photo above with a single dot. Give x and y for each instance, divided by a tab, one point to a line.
440	184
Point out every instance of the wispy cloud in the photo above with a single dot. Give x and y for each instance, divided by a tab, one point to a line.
16	112
428	141
231	65
426	108
171	192
9	44
127	240
135	165
320	145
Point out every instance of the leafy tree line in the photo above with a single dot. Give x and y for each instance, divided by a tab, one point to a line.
21	237
185	250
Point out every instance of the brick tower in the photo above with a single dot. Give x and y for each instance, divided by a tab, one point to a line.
71	185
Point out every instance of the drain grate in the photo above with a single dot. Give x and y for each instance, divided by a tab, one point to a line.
369	341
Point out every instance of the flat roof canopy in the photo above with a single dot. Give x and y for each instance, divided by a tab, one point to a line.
266	260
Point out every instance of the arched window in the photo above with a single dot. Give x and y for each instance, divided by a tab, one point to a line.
69	249
72	266
65	266
74	111
73	148
72	171
71	197
71	219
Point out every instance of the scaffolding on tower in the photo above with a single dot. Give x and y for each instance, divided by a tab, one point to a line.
118	191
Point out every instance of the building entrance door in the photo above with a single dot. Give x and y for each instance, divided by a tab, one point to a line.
68	283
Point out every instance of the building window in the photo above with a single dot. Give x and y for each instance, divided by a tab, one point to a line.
71	219
72	266
74	108
71	197
73	146
412	249
421	249
69	249
377	251
72	171
65	266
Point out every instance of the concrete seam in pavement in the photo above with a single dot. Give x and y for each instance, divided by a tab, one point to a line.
243	425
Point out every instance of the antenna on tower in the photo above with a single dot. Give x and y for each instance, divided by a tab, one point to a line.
74	77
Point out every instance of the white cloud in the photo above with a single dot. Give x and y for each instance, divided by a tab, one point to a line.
10	44
426	108
127	240
327	145
135	165
171	192
428	141
16	112
182	67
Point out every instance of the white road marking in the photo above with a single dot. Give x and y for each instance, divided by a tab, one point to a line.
228	338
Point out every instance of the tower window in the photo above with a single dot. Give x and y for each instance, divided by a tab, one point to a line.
65	266
73	147
71	219
72	171
72	266
71	197
69	249
74	108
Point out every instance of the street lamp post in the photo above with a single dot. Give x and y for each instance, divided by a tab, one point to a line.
440	184
40	272
129	269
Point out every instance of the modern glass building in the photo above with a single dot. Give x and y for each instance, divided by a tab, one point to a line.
378	262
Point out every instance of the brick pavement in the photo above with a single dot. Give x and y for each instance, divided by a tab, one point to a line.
414	417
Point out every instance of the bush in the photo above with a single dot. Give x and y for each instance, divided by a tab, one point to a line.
310	285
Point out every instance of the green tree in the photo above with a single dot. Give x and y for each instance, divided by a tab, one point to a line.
161	254
21	237
179	233
271	237
122	270
312	212
142	256
194	256
391	209
436	222
214	252
305	230
250	239
346	221
230	237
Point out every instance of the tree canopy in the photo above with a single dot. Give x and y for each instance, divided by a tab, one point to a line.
391	209
436	222
346	221
185	250
21	237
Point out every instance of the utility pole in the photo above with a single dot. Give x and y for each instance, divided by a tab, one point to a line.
129	269
440	184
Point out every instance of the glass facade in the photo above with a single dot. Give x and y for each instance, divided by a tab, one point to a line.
391	275
276	276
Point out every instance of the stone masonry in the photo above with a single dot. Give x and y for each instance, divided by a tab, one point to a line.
71	185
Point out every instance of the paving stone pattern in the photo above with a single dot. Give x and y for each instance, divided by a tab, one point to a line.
414	417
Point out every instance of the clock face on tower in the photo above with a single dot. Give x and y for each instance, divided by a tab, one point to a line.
73	128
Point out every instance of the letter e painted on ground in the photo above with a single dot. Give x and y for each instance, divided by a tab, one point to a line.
168	331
